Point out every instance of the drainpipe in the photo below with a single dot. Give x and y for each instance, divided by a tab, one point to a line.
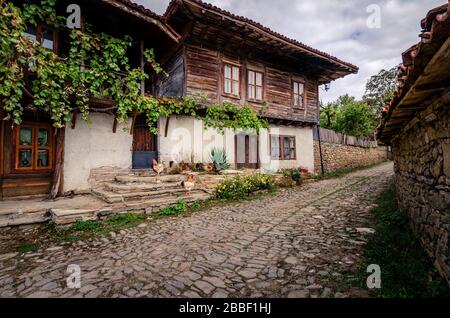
320	150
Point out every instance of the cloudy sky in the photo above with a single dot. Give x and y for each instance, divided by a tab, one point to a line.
338	27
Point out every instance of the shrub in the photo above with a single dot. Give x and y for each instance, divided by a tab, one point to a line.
240	187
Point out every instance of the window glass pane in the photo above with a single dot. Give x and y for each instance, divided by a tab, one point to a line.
275	146
251	77
26	137
251	91
296	100
258	92
43	158
301	88
30	33
47	39
259	79
227	87
295	88
287	148
235	73
235	88
25	159
43	137
227	71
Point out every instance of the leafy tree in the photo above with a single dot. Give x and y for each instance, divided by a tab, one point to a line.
380	88
328	114
356	119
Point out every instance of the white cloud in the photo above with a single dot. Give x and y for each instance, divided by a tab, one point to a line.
337	27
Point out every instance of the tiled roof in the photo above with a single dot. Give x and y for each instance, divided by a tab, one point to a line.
263	28
435	31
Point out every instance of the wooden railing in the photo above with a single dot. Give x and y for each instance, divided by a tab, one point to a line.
330	136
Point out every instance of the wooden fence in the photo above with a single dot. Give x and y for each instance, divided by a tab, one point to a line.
333	137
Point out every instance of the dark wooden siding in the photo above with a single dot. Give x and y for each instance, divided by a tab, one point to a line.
204	71
173	85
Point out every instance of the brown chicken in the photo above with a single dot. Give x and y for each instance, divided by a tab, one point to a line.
208	167
189	184
158	167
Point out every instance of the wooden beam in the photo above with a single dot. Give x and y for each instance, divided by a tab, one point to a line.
114	125
133	123
74	119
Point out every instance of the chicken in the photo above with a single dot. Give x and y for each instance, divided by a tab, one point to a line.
208	167
217	167
189	184
158	168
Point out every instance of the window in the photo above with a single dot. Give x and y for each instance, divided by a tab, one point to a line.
282	147
255	85
231	79
45	36
299	97
33	148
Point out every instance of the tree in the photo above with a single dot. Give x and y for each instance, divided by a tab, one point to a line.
380	88
356	119
328	114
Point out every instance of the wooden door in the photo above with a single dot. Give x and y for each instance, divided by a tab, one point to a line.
247	148
145	145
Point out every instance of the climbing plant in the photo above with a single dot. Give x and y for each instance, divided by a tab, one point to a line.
96	66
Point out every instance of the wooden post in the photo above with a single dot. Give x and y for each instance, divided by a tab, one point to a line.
56	181
142	65
320	150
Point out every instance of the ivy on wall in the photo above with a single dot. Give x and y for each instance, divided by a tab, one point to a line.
96	66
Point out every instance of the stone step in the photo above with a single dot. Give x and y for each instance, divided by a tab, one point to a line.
114	197
122	188
24	218
127	179
69	216
66	216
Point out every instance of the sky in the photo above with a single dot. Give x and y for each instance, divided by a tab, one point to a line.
370	34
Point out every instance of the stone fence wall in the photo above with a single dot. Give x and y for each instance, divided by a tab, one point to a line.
337	156
422	165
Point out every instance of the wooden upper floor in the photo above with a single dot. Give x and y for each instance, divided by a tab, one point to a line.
231	58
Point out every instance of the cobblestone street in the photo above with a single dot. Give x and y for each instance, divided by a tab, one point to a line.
278	246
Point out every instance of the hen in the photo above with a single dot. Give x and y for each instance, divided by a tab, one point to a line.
158	168
189	184
208	167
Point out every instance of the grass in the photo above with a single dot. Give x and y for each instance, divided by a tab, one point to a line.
406	270
28	247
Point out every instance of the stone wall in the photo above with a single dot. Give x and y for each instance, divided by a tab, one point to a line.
422	165
337	156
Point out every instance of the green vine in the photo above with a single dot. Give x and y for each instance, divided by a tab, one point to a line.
96	66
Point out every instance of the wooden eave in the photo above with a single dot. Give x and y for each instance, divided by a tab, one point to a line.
145	15
424	75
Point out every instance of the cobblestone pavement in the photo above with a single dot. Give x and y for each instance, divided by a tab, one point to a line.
278	246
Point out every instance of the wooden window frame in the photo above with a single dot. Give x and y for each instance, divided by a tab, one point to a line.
282	156
254	86
224	79
39	27
34	148
297	83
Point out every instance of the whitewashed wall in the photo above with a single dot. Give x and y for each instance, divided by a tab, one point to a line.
94	145
187	138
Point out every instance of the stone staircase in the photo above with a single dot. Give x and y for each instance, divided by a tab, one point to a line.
137	192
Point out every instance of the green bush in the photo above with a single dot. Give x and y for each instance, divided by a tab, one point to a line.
125	219
240	187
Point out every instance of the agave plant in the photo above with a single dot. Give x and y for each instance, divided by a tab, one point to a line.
220	157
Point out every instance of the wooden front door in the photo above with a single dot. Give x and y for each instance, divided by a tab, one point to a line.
145	145
247	149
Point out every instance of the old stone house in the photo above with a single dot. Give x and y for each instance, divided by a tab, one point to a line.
417	125
205	50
